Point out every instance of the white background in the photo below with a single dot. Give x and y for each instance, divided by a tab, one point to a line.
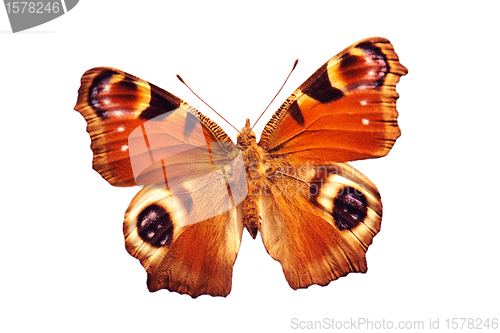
63	263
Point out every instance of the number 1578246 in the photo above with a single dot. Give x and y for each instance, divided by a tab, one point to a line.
471	323
32	7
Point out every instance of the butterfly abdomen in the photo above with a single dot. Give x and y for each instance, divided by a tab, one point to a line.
251	217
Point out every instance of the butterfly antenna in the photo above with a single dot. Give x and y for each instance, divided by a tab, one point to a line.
201	99
294	65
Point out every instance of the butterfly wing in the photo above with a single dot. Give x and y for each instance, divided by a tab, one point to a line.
319	221
130	120
319	215
347	108
185	226
192	259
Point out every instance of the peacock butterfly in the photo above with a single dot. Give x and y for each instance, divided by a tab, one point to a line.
316	214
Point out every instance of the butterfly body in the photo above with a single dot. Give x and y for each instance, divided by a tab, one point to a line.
316	214
254	160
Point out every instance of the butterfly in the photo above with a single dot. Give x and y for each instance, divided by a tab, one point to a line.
316	214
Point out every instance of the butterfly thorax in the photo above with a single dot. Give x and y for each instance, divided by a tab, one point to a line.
253	156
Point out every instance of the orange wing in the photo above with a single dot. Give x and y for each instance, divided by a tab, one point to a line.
192	259
319	222
116	104
345	111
